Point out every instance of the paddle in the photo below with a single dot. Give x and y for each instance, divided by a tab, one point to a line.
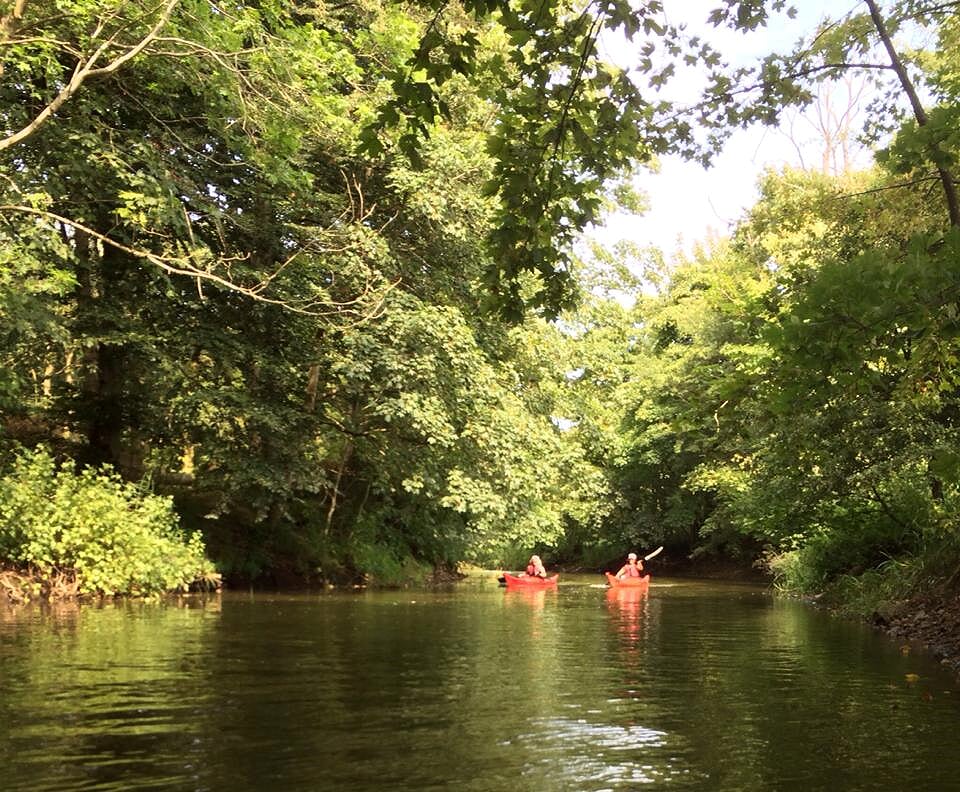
655	552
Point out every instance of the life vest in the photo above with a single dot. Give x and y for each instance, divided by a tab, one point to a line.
633	570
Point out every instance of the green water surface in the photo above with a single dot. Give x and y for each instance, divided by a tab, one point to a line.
473	688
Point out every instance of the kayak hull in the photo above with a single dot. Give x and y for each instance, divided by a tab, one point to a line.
528	582
635	584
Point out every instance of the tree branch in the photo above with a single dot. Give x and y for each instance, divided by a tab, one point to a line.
366	306
11	21
83	70
946	179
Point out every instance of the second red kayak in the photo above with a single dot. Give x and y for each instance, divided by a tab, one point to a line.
630	582
529	582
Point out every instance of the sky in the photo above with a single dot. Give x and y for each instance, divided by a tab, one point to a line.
687	201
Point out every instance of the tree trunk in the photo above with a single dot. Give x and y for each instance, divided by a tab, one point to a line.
102	364
334	496
946	178
313	381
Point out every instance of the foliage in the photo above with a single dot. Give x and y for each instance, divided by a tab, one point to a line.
567	122
247	256
799	388
257	321
430	422
114	537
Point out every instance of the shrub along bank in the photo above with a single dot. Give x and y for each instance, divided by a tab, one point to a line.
67	533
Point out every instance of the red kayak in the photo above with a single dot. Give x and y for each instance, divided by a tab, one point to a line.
642	583
529	581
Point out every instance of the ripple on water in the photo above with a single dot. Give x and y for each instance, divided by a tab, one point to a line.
476	691
582	754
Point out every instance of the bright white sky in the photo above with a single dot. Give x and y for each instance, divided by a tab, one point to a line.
687	201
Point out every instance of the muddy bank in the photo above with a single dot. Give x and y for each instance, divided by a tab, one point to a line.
932	620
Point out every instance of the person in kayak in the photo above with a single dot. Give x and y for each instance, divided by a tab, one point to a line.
535	567
632	569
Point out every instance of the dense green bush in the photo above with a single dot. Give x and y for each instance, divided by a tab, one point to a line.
114	537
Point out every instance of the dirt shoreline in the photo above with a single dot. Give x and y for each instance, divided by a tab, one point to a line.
933	621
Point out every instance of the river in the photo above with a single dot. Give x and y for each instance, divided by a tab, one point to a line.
694	686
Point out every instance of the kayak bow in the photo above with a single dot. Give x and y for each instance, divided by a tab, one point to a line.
529	581
632	583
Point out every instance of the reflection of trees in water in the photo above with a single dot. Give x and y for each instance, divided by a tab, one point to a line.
105	678
130	622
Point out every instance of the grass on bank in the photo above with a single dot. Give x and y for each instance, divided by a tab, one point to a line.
878	590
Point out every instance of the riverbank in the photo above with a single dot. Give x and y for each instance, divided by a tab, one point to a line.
931	620
18	586
21	585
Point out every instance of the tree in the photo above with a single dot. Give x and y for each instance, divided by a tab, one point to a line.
320	391
102	39
835	117
855	43
565	124
243	73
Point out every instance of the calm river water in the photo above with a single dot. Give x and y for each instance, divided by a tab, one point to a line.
694	686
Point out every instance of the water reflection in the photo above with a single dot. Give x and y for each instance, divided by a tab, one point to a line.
479	689
532	599
628	613
100	690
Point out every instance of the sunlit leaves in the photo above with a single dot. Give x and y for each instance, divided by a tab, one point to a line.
566	123
433	417
114	537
